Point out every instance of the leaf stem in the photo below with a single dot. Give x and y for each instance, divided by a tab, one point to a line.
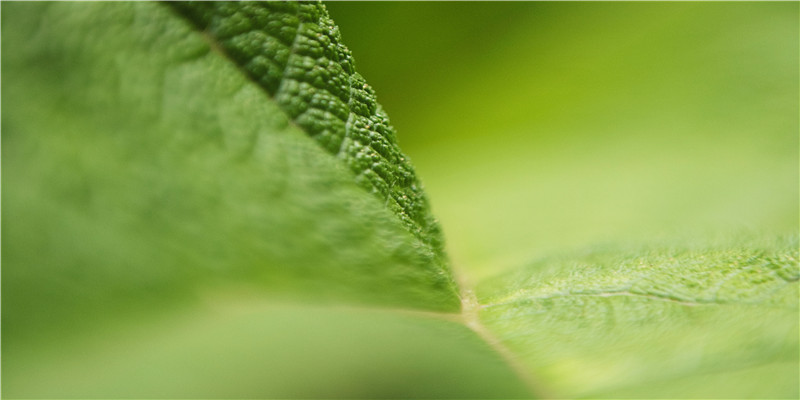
470	314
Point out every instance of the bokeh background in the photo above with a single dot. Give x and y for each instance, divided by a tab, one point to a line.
542	128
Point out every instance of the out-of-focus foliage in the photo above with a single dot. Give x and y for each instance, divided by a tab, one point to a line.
546	127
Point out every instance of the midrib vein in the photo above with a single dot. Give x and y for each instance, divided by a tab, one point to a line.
470	317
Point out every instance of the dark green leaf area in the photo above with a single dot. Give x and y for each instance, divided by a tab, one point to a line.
294	51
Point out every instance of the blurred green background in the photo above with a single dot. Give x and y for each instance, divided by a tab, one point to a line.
546	127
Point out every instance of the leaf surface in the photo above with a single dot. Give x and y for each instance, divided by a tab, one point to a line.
293	50
671	322
164	156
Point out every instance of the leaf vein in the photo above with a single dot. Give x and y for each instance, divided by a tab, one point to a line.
691	302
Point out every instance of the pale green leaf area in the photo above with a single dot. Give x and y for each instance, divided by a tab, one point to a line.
244	347
206	200
636	322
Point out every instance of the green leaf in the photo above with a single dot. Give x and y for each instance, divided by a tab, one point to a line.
146	172
294	52
205	200
669	322
163	167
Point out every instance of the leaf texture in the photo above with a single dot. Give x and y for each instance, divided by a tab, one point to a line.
294	51
673	322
